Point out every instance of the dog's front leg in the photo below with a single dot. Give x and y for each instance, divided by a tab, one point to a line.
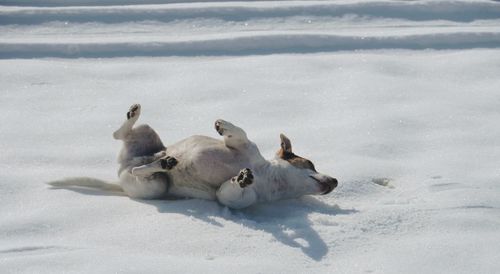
234	137
237	192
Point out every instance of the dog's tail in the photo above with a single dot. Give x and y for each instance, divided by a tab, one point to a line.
86	183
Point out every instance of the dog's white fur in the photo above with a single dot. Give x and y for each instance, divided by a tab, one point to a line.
208	168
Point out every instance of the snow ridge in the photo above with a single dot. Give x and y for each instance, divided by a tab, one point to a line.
250	45
415	11
245	28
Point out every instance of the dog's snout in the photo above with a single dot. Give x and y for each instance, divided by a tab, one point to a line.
328	184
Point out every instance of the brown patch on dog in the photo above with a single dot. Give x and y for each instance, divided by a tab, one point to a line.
286	154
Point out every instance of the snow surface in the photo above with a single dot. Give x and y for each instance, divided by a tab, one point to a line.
399	100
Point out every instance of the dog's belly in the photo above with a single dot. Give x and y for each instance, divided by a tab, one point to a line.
204	162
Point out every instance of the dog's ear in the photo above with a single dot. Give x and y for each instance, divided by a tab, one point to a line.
286	145
286	154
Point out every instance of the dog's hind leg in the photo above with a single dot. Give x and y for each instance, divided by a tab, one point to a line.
144	160
237	193
160	165
138	141
234	137
152	187
132	117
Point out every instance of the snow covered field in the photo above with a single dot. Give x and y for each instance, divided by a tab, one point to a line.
399	100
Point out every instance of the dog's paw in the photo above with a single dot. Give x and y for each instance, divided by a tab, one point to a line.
219	126
168	163
134	111
244	178
224	128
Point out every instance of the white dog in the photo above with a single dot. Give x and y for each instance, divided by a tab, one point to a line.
231	171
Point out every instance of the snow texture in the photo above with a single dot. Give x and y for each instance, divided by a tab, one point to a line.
399	100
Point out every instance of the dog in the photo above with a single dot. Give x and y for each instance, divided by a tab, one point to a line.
231	171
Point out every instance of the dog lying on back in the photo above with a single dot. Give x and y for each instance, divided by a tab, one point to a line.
231	171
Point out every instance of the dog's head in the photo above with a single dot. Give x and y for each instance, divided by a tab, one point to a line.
304	170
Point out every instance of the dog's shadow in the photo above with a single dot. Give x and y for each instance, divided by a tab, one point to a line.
287	221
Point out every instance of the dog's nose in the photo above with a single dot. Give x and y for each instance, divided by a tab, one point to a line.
333	182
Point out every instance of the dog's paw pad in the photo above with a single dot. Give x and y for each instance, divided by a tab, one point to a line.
168	163
244	178
134	111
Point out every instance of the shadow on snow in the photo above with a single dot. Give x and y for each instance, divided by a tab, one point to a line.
287	221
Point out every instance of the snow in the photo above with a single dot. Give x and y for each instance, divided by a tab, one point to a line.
401	107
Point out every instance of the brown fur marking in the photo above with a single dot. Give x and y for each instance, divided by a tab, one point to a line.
296	160
286	154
